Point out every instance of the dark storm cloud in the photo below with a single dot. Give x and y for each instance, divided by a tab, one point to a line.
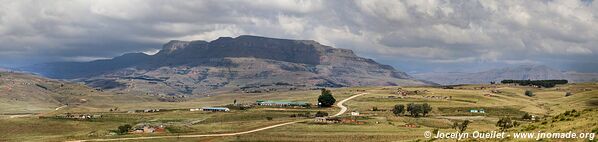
411	35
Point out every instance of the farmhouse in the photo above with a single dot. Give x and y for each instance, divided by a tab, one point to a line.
477	111
406	92
151	110
326	120
280	103
439	97
149	129
79	116
214	109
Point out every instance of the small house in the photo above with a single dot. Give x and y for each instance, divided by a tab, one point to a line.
148	129
355	113
477	110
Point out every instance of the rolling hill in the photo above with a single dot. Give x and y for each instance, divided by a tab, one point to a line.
27	93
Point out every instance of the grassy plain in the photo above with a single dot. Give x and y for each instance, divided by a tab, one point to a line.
505	101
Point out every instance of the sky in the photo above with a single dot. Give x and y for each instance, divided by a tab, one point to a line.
414	36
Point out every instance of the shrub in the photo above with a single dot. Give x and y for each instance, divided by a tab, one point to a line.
526	116
529	93
123	129
321	114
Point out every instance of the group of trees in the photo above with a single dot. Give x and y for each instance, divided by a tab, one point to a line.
542	83
414	109
506	123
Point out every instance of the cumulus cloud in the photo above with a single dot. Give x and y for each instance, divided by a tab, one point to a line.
416	36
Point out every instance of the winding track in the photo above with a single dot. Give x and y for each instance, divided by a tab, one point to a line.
339	104
344	108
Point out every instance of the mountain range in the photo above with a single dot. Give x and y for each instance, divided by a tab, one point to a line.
521	72
247	63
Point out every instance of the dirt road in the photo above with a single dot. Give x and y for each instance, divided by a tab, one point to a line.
343	108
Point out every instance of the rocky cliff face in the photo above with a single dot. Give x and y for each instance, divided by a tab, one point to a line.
244	62
523	72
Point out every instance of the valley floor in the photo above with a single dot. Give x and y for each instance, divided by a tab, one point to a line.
551	107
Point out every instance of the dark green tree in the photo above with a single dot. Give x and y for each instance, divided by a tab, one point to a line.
414	109
123	129
398	109
426	108
326	99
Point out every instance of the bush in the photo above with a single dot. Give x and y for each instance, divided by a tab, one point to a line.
526	116
123	129
269	118
321	114
529	93
568	94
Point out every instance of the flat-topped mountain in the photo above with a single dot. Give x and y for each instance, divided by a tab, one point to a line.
244	62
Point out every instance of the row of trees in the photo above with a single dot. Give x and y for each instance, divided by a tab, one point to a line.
542	83
414	109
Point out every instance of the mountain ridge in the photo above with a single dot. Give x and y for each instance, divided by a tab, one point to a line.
520	72
189	67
